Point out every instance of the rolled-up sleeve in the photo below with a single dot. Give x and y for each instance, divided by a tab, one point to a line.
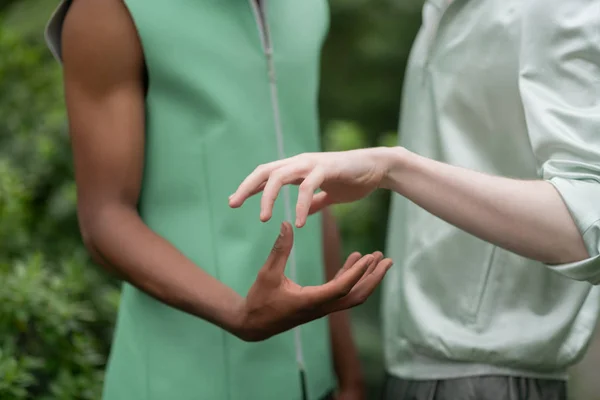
559	80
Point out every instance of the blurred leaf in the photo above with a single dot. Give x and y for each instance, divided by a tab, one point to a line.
56	309
29	17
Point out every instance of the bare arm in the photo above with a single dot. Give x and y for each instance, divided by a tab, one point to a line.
345	355
103	68
526	217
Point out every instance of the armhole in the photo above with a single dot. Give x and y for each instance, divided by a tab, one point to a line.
53	32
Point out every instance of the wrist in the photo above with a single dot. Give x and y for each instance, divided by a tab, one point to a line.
234	317
354	381
241	325
350	376
395	162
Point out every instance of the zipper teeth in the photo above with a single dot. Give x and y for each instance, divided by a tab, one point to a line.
268	50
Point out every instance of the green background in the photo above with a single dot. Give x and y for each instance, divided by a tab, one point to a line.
57	310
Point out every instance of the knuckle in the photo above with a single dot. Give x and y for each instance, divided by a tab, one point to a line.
344	291
280	245
305	187
277	247
359	298
263	274
276	176
260	169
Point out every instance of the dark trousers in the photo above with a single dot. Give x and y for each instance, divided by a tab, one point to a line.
475	388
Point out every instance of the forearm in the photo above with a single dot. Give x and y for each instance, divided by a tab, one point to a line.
123	243
526	217
345	355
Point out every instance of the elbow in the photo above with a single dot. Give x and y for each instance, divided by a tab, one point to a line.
579	251
571	251
580	259
576	249
89	236
95	224
88	242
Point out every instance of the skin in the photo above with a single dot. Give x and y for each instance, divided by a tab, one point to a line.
104	87
509	213
345	355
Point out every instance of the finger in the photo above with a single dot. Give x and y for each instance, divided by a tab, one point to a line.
354	257
306	192
277	179
350	261
252	183
256	191
377	257
281	250
336	288
314	307
319	202
260	189
363	289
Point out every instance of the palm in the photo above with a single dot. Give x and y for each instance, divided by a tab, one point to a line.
275	304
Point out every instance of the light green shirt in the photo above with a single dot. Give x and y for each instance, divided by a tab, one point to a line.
510	88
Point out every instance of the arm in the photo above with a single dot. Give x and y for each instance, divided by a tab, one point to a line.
526	217
529	218
103	68
345	355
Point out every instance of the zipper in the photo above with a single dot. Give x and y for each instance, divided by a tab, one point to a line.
260	16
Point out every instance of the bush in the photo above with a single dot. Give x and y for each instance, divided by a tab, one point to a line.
56	309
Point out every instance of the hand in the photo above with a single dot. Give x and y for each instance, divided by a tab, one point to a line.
342	177
276	304
354	392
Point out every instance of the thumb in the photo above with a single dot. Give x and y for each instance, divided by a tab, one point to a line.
281	249
319	202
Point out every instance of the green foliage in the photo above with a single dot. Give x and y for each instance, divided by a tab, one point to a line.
56	309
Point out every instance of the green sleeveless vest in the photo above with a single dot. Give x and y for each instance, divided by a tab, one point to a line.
226	93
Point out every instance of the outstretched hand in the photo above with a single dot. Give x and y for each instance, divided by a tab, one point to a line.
276	304
342	177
